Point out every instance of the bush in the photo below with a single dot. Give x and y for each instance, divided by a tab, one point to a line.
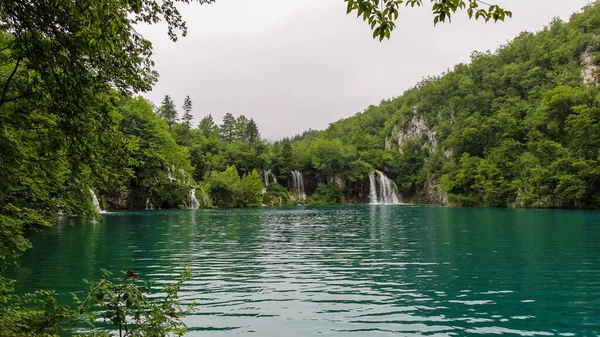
326	195
461	200
126	304
277	195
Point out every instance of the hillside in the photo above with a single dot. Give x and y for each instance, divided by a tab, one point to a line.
518	127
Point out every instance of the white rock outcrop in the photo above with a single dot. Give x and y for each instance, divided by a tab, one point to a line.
414	129
590	72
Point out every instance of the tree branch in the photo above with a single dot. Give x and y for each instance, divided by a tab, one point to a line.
6	85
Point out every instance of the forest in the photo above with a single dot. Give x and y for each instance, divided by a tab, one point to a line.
518	127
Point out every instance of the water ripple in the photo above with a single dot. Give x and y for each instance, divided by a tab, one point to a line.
356	270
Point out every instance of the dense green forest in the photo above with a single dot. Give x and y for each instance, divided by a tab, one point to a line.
519	127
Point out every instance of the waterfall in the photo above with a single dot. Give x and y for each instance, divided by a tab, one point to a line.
372	190
193	201
382	190
389	190
298	185
266	174
171	173
149	204
96	202
266	177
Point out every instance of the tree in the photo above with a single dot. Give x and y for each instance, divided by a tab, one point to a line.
187	117
159	163
328	156
168	111
252	133
207	126
251	189
241	128
224	187
228	129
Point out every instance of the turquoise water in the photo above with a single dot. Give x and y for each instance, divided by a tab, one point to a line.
347	270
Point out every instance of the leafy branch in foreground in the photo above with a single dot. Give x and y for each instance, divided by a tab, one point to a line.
33	314
127	305
382	14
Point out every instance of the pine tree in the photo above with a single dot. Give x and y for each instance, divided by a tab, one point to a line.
227	130
241	125
168	111
252	133
187	117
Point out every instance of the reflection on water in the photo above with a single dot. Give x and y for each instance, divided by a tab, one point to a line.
373	270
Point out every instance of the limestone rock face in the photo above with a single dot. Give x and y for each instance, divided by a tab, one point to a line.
414	129
590	72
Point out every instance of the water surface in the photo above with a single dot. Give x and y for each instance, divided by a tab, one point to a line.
347	270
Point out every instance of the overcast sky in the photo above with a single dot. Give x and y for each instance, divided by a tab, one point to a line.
299	64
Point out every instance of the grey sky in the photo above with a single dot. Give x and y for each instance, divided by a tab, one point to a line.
298	64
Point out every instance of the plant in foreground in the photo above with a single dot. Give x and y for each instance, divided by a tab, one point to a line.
128	306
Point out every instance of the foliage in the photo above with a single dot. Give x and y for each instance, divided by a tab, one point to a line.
227	131
128	304
35	314
130	308
168	111
227	189
326	195
159	164
207	126
277	195
251	189
187	117
382	14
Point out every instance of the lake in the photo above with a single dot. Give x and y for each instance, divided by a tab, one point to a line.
370	270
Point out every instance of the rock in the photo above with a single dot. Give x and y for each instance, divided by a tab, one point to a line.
414	130
590	72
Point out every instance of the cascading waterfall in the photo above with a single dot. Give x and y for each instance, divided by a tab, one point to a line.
382	190
267	175
96	202
193	201
149	204
372	189
298	185
389	189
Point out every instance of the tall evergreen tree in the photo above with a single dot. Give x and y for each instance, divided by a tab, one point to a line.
252	133
227	130
187	117
168	111
241	125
